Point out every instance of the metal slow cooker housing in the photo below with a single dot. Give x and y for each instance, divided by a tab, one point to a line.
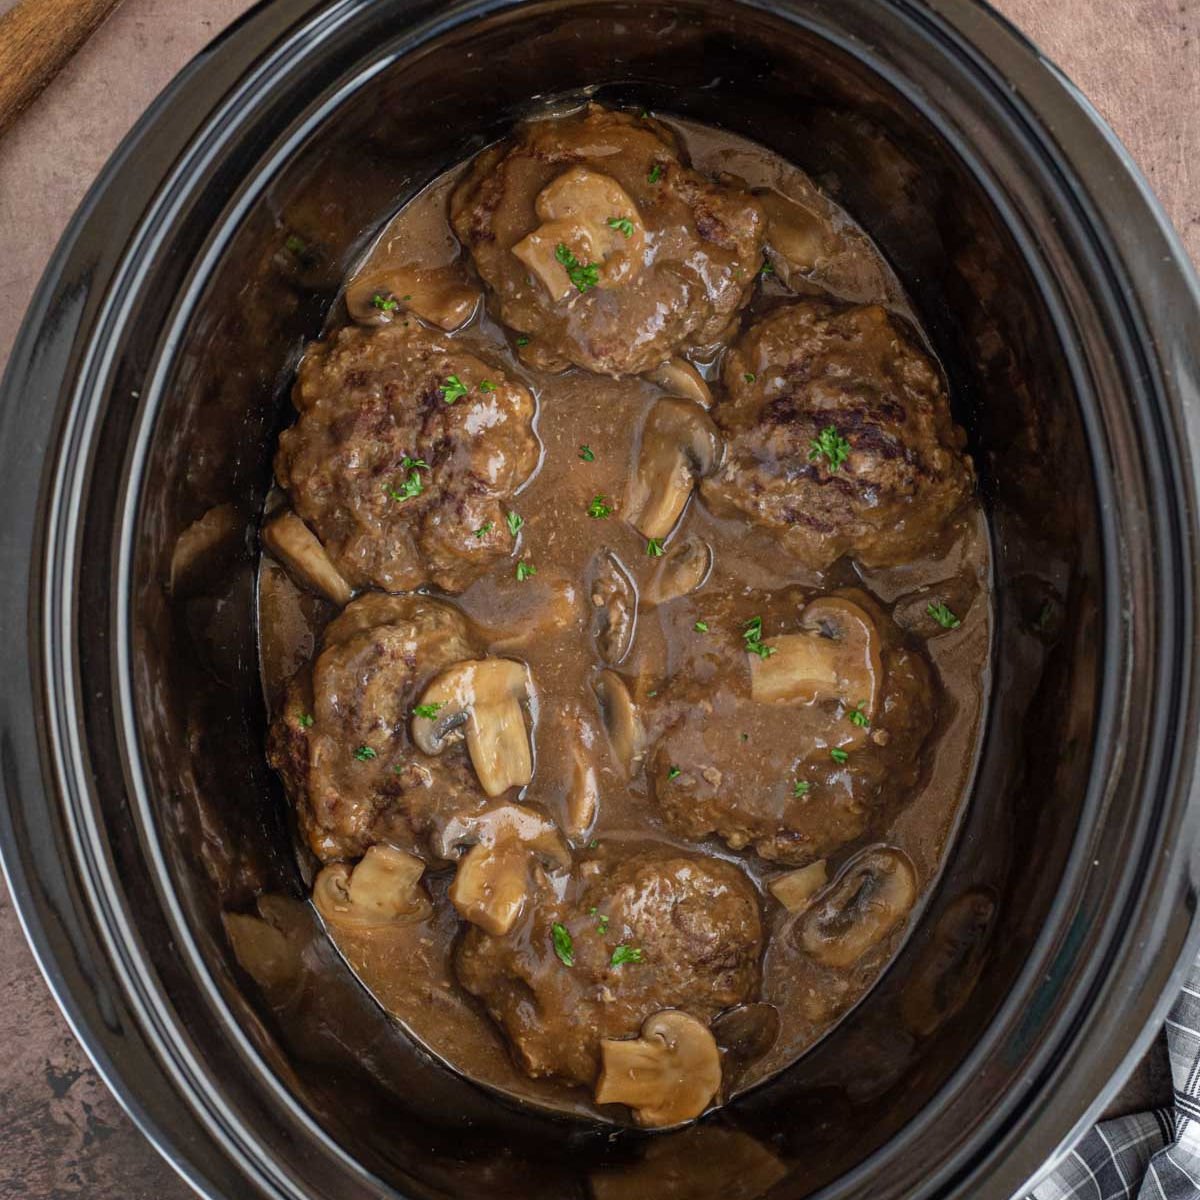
146	389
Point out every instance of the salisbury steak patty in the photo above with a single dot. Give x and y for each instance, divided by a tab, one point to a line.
601	243
643	930
406	449
839	437
341	739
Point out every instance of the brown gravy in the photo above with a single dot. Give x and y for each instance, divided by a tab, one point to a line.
546	621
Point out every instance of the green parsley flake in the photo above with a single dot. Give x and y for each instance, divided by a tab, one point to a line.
385	303
296	245
656	173
766	269
701	627
522	340
587	454
364	754
598	510
428	711
515	523
525	570
305	720
453	389
752	636
583	275
622	225
409	488
601	925
858	716
484	530
654	547
831	446
593	844
564	944
838	756
674	773
487	386
625	954
801	788
943	616
749	377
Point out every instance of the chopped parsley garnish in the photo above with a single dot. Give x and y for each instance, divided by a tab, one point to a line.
766	269
428	711
749	377
305	720
602	924
364	754
453	389
593	844
484	530
701	627
644	113
943	616
525	570
515	523
622	225
487	386
564	944
674	773
409	488
582	275
587	454
593	911
656	173
385	303
831	446
406	463
752	636
522	340
296	244
654	547
838	756
858	716
598	510
625	954
801	788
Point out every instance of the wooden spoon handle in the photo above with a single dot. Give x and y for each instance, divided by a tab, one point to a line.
37	39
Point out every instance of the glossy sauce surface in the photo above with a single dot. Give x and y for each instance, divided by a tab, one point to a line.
588	426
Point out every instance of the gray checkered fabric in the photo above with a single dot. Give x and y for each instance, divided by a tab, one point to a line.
1148	1156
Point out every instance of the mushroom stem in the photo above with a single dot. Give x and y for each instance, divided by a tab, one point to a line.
297	547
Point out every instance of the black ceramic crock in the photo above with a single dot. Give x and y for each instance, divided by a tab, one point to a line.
143	397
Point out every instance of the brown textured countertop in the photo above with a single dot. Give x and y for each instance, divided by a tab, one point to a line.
61	1133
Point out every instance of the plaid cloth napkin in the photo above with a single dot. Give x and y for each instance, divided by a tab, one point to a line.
1148	1156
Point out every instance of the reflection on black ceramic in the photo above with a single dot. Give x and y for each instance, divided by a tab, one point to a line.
140	400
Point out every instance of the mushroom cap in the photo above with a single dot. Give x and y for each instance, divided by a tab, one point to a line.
614	603
381	890
679	444
837	657
484	697
493	879
439	295
874	893
683	569
667	1075
677	377
626	733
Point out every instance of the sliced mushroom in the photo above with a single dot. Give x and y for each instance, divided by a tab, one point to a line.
795	233
583	798
494	877
613	598
270	946
438	295
382	889
678	377
667	1075
203	544
682	570
484	697
626	733
796	890
838	657
297	548
594	218
872	895
679	445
